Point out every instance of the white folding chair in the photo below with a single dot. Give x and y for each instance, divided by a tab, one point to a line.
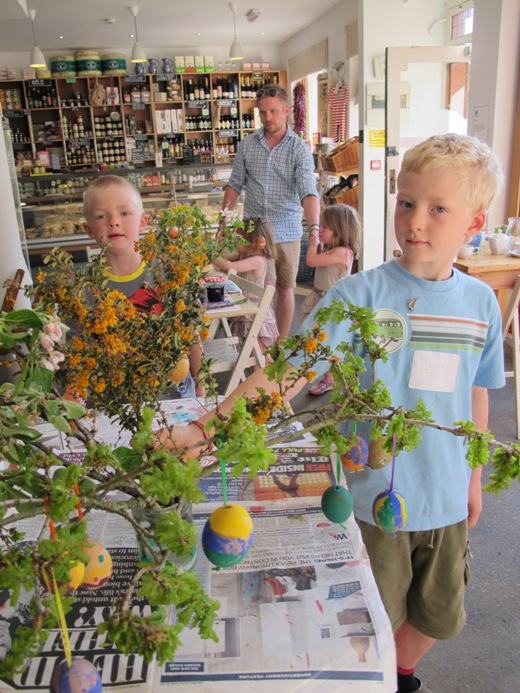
229	355
512	339
92	251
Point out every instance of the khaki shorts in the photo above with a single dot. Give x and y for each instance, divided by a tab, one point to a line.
421	576
285	268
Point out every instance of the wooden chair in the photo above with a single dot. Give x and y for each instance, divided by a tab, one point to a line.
511	337
12	292
229	355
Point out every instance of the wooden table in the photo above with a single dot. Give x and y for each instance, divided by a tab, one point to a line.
239	305
497	271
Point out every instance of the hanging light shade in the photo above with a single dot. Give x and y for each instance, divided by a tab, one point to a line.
37	59
138	53
235	52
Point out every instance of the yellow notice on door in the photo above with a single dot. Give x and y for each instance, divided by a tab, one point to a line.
376	138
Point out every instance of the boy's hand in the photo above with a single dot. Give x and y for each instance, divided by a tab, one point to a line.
182	437
474	497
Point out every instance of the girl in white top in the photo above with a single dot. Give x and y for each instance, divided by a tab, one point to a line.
332	250
250	262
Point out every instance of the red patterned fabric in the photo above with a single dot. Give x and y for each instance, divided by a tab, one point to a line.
338	99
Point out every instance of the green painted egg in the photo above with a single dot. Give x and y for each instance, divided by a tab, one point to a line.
337	504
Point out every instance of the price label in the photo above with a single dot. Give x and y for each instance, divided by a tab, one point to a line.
198	103
40	83
109	138
139	79
225	102
139	106
166	78
15	114
227	133
70	80
138	156
140	138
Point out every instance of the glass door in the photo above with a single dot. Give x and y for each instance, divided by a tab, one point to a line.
426	93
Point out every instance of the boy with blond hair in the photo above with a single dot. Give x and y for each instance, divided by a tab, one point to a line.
449	354
114	218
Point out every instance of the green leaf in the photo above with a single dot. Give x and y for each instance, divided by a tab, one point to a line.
60	422
23	318
128	458
73	410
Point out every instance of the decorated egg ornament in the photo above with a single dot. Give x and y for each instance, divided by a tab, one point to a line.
389	511
356	458
81	677
337	504
227	535
98	569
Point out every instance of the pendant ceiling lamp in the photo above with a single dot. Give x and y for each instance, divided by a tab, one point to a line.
235	52
138	54
37	59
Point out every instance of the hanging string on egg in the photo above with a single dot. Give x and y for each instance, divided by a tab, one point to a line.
389	508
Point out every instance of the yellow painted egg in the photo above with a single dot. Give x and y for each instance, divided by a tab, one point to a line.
181	370
76	575
378	457
98	569
227	535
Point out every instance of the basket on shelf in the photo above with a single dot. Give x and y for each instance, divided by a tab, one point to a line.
347	197
344	157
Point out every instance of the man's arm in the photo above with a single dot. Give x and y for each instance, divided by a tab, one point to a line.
311	209
230	198
479	414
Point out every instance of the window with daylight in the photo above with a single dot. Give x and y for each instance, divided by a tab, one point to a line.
460	22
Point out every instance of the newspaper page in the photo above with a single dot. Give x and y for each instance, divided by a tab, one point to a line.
126	672
301	612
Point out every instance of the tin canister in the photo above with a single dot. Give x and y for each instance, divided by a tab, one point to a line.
88	63
113	65
63	66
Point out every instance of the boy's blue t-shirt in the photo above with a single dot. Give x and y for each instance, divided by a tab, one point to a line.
442	338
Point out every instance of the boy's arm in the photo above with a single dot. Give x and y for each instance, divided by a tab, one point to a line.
480	412
186	436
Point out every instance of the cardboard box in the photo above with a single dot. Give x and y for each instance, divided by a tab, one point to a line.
180	65
199	63
209	65
173	120
189	63
180	121
257	67
167	121
266	66
29	73
160	97
160	123
247	67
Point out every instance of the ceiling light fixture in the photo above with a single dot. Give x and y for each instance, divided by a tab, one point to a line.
253	14
138	54
37	59
235	52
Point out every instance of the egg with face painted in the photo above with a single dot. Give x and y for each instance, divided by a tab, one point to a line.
337	504
81	677
356	458
389	511
98	569
227	535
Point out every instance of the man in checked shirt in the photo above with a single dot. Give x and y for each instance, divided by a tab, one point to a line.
276	169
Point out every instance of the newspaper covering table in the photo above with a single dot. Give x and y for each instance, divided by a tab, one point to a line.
301	612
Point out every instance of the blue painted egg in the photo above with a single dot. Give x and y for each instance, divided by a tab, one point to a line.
227	535
81	677
356	458
337	504
389	511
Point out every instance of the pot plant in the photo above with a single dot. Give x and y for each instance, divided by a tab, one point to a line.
120	362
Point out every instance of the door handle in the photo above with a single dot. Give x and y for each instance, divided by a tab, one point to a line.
391	181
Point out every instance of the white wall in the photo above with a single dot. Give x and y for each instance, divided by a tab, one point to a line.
494	76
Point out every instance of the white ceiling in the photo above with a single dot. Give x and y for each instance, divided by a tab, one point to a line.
160	23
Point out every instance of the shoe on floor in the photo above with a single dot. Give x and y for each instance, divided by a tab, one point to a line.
423	688
321	387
